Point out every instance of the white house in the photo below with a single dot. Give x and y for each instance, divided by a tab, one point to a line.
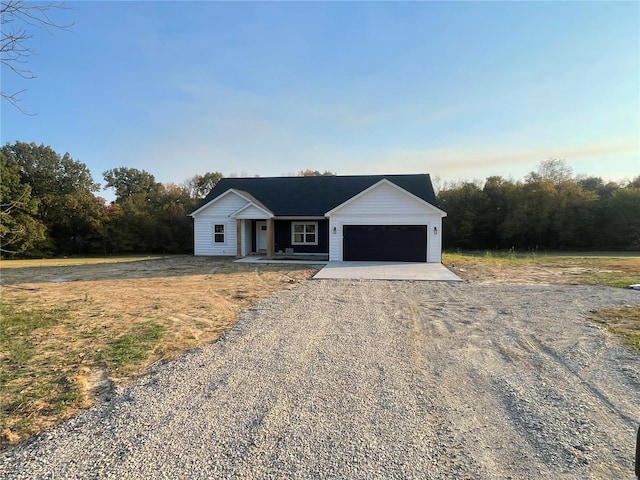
342	218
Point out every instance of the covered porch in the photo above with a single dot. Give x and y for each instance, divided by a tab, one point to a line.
283	238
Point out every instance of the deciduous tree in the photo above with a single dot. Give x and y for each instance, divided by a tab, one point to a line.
131	182
199	186
20	230
551	209
64	190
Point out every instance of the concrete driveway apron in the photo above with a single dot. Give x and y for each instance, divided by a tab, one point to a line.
387	271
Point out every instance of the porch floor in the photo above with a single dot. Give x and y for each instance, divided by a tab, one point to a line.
299	261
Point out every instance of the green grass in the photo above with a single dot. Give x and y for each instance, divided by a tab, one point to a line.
17	327
20	329
611	279
38	375
623	321
67	396
127	350
16	321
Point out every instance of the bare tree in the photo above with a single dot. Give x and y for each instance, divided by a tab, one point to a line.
554	170
16	19
199	186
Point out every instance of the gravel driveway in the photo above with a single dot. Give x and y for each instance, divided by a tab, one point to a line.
374	379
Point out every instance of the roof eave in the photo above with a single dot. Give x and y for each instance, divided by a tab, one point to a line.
376	185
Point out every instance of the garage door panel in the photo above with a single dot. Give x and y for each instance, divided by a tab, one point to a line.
385	243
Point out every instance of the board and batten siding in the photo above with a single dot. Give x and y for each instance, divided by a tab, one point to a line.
386	205
217	213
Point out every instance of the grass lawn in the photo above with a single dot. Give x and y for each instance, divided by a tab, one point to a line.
71	328
70	261
622	321
591	268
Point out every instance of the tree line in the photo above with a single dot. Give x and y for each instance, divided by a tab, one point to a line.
550	209
49	206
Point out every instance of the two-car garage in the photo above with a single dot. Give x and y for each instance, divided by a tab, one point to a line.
385	243
385	223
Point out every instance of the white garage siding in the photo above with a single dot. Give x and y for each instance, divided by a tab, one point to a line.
217	214
386	205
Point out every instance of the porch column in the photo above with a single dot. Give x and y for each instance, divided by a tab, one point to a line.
238	237
270	238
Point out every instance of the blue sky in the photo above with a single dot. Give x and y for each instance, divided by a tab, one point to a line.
461	90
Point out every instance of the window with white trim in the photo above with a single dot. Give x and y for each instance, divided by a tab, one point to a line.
218	233
304	233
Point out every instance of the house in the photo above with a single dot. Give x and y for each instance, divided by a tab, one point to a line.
342	218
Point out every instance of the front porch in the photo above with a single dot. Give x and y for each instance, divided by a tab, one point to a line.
304	239
301	260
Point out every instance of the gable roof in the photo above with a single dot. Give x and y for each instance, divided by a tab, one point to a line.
314	196
253	200
381	183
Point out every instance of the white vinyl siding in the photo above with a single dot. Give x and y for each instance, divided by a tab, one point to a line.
386	205
252	213
217	214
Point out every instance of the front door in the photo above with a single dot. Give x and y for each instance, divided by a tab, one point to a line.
261	236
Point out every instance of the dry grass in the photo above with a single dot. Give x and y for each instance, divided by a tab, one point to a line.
623	321
573	269
71	261
70	328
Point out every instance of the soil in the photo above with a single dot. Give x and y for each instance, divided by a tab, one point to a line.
541	271
195	300
374	380
541	373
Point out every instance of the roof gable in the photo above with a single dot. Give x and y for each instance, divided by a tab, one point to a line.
251	210
382	184
314	196
231	191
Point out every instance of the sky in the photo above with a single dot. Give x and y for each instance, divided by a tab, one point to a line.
460	90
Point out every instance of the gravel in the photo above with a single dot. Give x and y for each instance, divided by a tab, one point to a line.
373	379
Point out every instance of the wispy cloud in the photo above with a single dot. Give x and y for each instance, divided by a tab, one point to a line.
604	159
465	158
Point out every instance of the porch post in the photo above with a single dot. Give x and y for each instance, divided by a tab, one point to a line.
238	237
270	238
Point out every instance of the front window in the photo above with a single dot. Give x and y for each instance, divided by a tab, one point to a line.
304	233
218	233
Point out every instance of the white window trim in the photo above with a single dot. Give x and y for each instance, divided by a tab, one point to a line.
223	233
293	224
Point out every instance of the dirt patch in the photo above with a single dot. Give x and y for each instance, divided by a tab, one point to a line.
374	380
536	270
105	323
99	312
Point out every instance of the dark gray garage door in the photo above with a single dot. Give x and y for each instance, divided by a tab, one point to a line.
385	243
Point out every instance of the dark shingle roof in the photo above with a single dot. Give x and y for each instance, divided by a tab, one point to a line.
314	196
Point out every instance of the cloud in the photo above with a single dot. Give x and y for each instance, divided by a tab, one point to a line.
612	161
466	157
